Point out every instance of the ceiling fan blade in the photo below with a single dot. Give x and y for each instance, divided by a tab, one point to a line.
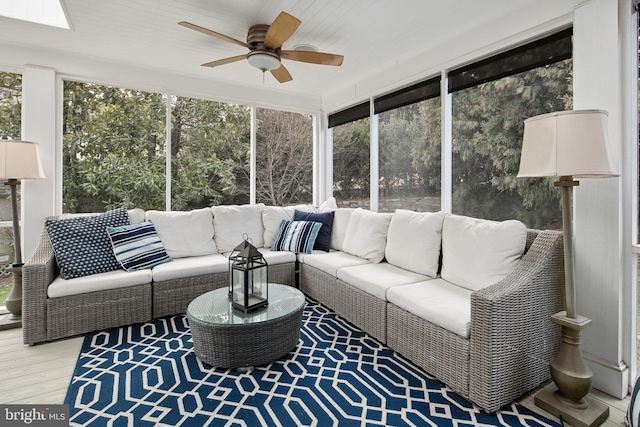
320	58
212	33
281	74
224	61
281	29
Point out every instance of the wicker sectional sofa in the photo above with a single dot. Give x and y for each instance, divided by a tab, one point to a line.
468	300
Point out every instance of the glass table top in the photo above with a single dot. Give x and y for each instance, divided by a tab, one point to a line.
215	307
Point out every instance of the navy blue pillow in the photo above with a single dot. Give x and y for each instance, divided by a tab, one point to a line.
81	244
326	218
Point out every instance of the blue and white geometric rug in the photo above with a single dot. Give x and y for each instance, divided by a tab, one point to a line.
148	375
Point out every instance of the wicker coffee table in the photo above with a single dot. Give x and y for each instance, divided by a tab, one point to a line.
228	338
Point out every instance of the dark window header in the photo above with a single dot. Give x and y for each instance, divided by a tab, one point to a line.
351	114
546	51
410	95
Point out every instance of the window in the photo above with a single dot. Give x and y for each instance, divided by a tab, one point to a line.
490	101
284	158
10	118
409	138
113	148
351	131
209	153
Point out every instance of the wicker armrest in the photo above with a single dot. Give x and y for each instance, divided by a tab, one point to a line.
37	274
512	336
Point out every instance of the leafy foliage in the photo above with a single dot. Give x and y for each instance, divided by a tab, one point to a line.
488	123
10	105
351	166
115	150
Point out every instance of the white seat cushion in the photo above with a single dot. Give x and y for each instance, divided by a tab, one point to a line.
477	253
97	282
367	234
438	301
331	262
277	257
413	241
185	234
189	267
233	222
376	279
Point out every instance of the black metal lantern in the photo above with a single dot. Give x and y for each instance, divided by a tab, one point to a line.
248	278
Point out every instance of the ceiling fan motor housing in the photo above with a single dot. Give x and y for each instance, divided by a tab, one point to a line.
256	35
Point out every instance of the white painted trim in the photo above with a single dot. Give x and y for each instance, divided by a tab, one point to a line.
602	244
252	156
629	24
59	144
328	166
446	145
167	151
40	102
317	150
374	159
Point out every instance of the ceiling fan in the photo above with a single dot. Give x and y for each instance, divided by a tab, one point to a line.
265	47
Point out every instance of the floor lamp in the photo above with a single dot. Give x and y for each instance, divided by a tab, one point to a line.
18	160
568	145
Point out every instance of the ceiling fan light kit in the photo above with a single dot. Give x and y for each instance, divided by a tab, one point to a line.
265	43
263	60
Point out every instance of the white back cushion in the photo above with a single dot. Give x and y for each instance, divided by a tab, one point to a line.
233	222
328	205
185	234
136	215
341	218
366	235
413	242
272	217
477	253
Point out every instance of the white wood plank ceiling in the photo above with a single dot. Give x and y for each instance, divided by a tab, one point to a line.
373	35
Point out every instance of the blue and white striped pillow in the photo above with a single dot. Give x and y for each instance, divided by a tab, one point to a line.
137	246
296	236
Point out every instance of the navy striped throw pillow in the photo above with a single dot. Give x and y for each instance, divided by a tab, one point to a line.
137	246
296	236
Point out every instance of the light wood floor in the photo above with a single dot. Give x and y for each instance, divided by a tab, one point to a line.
41	374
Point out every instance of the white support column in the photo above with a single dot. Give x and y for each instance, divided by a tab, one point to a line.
252	151
167	145
316	161
39	124
374	158
328	163
598	203
446	188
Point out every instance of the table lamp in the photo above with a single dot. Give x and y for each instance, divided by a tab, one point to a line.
568	144
18	160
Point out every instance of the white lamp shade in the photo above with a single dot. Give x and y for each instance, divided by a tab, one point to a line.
567	143
20	160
